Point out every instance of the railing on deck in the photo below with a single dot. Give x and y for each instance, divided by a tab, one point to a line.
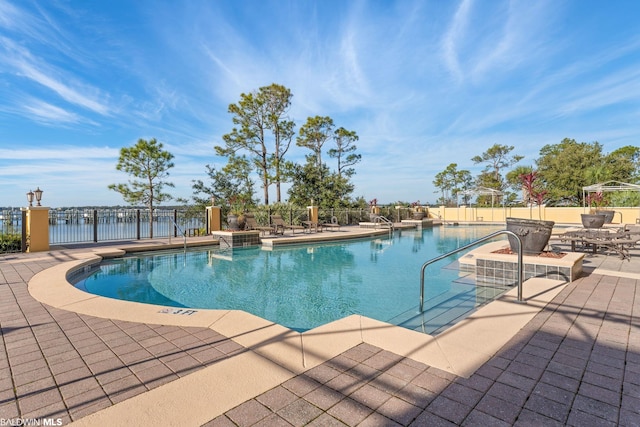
96	225
85	225
11	230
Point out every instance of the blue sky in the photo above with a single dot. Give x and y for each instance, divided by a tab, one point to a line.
423	83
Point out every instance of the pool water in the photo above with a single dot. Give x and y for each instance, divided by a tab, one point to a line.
303	287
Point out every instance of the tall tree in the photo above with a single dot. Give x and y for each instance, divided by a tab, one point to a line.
497	158
277	103
463	180
451	181
344	151
148	164
314	134
566	167
624	164
254	116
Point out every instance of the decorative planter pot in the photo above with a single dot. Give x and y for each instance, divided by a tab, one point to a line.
608	215
418	215
534	234
592	220
232	222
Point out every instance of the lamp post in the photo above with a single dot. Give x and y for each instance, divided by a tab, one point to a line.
30	198
38	194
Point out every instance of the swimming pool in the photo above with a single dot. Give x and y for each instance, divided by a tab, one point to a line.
303	287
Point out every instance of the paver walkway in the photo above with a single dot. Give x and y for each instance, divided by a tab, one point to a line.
56	364
576	363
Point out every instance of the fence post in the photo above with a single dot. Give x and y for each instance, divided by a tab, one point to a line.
95	225
138	224
175	222
23	245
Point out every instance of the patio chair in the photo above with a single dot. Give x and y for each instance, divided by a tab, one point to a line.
252	224
334	224
279	226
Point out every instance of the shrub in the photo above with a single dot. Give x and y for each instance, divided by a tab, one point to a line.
10	243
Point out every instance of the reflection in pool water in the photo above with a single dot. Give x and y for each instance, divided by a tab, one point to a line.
300	287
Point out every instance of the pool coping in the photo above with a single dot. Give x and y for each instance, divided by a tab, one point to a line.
275	353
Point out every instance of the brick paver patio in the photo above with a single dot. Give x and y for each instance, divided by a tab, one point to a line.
576	363
62	365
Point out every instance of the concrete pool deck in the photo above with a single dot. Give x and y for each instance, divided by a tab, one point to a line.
569	356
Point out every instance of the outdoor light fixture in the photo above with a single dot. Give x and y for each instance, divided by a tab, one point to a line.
38	194
30	198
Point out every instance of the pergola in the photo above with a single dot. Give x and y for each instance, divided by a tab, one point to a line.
607	187
483	191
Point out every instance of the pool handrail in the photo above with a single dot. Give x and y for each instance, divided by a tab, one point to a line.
184	233
470	245
379	219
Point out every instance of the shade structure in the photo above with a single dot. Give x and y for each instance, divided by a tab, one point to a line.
607	187
483	191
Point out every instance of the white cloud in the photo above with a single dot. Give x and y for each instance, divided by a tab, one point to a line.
48	113
65	152
454	36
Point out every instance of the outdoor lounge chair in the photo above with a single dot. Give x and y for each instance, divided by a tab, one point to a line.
616	243
252	224
279	226
334	224
580	237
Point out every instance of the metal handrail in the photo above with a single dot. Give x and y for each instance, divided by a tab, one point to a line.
381	219
462	248
184	233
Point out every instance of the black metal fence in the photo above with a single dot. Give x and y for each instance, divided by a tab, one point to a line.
295	215
95	225
10	230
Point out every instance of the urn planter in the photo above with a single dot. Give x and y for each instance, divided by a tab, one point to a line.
534	234
232	222
592	220
608	215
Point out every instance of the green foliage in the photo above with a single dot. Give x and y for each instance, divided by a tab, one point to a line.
566	167
325	188
231	186
314	180
10	243
254	116
450	182
345	151
625	198
513	179
263	133
148	164
314	134
623	164
497	158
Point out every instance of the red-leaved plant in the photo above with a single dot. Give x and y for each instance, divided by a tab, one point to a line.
596	200
533	194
